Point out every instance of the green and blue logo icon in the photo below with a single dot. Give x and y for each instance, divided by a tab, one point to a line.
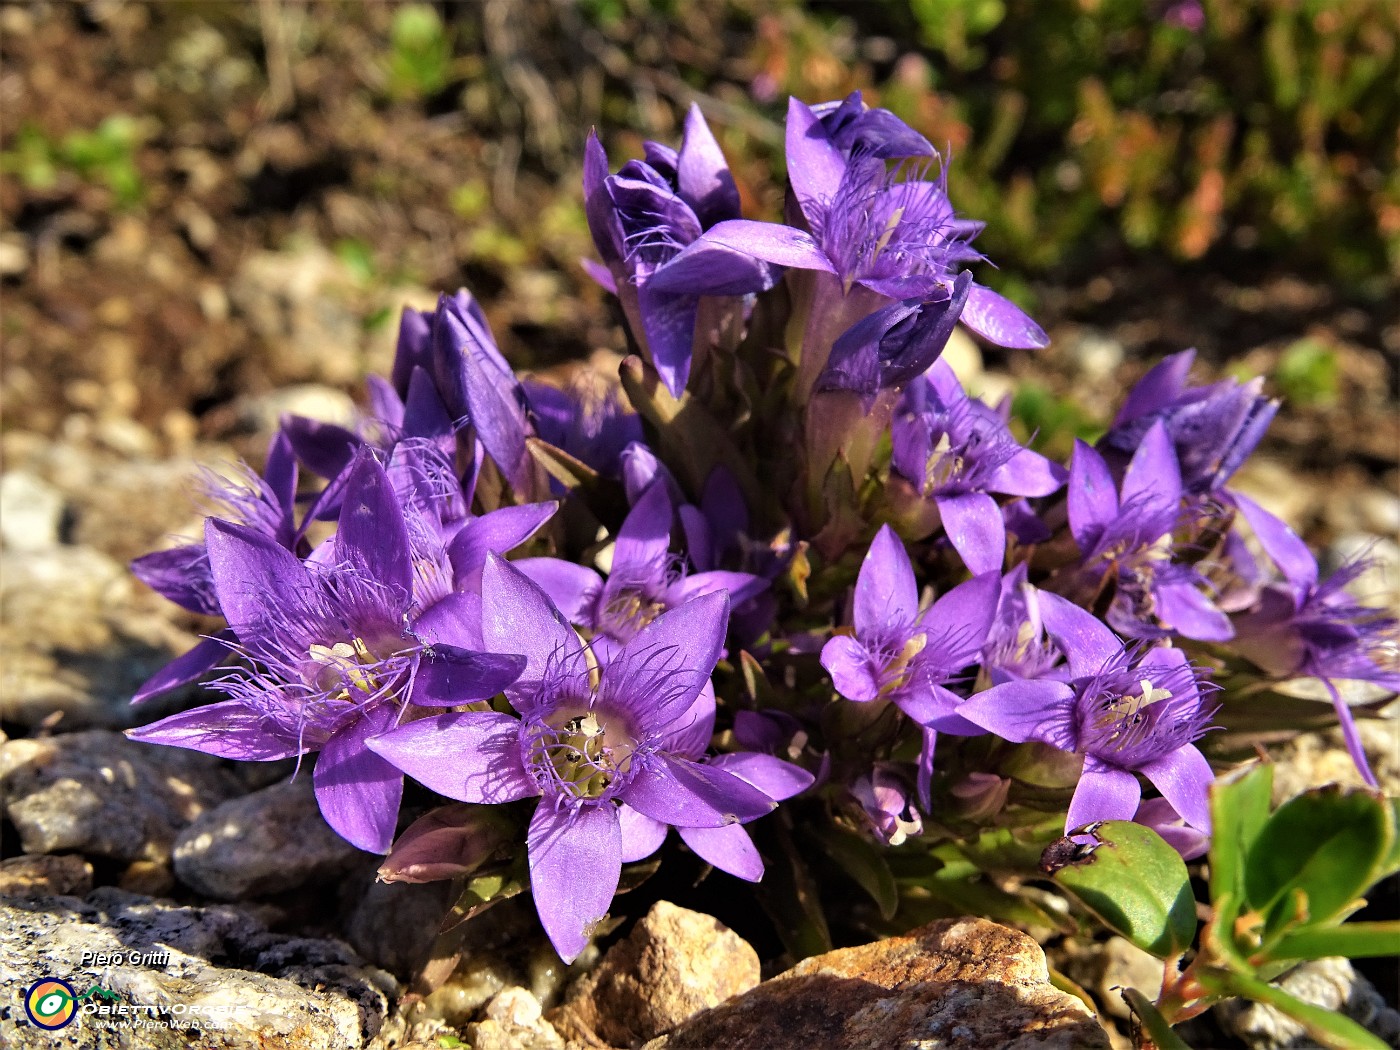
52	1004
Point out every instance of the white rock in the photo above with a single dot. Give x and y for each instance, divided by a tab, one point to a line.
31	512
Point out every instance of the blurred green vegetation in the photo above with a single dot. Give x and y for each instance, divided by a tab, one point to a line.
104	156
1084	126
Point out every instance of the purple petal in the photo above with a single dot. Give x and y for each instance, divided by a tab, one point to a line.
885	590
1000	321
699	545
688	794
1087	643
711	267
975	528
689	735
414	346
598	206
1281	544
668	319
740	586
358	791
1153	477
1347	722
325	448
721	260
1158	389
645	535
448	676
1093	498
227	729
923	776
517	617
385	404
575	864
958	623
456	620
499	531
186	668
571	587
471	756
181	575
1184	778
935	707
1021	711
372	534
660	671
253	573
728	848
1185	610
775	778
641	836
815	165
1104	793
601	274
1027	473
702	174
852	671
424	414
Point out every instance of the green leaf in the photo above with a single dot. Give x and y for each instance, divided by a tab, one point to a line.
1355	940
857	857
1328	844
1328	1027
1157	1027
1137	885
1239	809
788	893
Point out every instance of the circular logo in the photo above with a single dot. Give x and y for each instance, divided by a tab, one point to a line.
50	1003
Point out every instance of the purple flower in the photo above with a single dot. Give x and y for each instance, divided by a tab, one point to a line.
1305	627
856	128
886	802
588	420
183	574
896	343
644	580
334	652
869	227
1017	646
1126	541
476	383
901	655
643	217
953	451
1126	710
1213	429
614	764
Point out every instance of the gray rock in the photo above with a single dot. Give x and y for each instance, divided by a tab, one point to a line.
272	840
31	512
673	964
964	983
247	987
394	924
78	638
1329	983
103	795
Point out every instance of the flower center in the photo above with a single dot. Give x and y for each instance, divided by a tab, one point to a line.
582	756
629	612
1123	721
347	664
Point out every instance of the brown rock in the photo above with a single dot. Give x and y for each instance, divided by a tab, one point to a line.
674	964
964	983
44	875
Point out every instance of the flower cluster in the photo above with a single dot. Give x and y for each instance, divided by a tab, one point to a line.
783	556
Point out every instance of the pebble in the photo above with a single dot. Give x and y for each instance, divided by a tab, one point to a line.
263	843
